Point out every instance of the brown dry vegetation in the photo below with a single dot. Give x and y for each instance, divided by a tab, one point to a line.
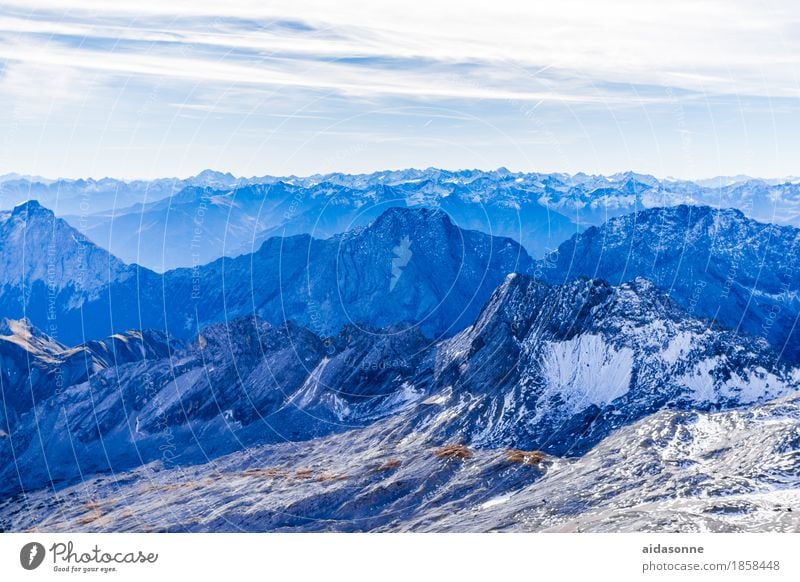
267	472
328	476
164	488
453	452
301	474
525	457
304	473
93	513
89	518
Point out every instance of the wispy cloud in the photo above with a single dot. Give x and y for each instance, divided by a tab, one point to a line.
569	62
495	51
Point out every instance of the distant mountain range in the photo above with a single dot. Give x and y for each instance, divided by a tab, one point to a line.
87	196
168	223
198	225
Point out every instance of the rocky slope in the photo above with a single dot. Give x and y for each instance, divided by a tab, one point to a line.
550	368
673	471
559	368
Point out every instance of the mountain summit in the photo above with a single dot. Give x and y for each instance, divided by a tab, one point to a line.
47	267
39	247
409	266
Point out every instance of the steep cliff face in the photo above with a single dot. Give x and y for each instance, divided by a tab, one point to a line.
65	284
559	368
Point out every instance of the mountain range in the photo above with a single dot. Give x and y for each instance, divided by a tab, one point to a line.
412	266
83	197
169	223
408	266
200	224
405	374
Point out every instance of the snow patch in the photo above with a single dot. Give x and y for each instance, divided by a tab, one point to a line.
751	386
586	370
679	346
495	501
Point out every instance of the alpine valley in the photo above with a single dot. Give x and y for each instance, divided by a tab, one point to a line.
416	350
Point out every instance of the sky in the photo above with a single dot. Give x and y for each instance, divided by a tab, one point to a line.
148	89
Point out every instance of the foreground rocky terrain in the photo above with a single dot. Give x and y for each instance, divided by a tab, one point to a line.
673	471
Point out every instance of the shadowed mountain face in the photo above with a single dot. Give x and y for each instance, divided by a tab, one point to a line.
411	266
549	368
65	284
717	264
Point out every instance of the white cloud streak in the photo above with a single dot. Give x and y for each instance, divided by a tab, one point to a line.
468	50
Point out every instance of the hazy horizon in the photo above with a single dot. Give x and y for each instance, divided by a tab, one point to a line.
98	177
